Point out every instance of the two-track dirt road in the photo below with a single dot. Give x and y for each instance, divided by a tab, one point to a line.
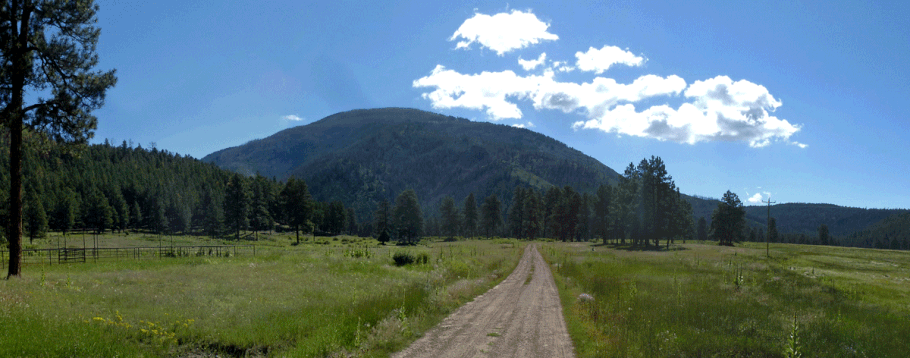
520	317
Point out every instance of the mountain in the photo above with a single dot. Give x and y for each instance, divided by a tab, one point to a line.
363	156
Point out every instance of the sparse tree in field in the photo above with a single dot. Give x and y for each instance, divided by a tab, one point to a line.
237	204
702	230
297	204
449	215
728	220
470	215
35	216
408	220
382	222
491	215
47	49
823	238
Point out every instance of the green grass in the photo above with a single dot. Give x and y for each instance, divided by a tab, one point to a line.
329	296
703	300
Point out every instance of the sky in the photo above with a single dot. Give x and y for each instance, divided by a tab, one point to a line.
794	100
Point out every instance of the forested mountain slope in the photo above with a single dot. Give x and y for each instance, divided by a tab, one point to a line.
363	156
801	218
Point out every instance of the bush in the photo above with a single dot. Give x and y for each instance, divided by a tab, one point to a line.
403	258
406	258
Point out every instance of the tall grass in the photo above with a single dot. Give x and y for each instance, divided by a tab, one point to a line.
308	300
705	300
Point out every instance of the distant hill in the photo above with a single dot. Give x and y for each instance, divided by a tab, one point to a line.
801	218
892	232
363	156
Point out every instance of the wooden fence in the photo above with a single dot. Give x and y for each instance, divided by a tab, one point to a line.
90	254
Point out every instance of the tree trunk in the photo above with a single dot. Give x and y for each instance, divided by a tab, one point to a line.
14	228
297	228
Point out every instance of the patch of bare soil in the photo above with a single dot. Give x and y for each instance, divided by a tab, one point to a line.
520	317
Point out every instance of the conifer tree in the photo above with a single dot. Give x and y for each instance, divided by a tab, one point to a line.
516	214
47	49
382	222
237	205
491	215
35	216
407	217
728	220
602	218
470	215
449	214
297	205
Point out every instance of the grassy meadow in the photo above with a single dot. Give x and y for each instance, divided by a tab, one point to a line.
704	300
339	296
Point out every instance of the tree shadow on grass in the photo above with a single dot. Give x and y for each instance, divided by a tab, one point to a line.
630	247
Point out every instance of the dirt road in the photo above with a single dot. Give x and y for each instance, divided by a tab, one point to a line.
520	317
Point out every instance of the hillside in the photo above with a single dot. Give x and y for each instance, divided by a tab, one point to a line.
363	156
801	218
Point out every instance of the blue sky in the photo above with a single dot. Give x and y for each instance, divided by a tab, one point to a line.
803	101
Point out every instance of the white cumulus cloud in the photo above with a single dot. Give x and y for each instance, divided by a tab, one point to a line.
532	64
292	117
719	109
715	109
599	61
503	32
498	92
755	199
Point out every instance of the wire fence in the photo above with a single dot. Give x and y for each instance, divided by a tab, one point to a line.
100	254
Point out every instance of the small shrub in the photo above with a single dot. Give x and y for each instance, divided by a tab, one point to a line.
403	258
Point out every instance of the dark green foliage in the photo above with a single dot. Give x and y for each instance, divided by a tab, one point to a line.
516	214
407	258
237	204
490	215
261	198
382	219
407	217
823	237
350	222
728	221
450	218
893	232
773	235
533	215
297	205
702	230
35	216
63	218
603	217
335	218
48	51
99	214
136	216
470	215
213	215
